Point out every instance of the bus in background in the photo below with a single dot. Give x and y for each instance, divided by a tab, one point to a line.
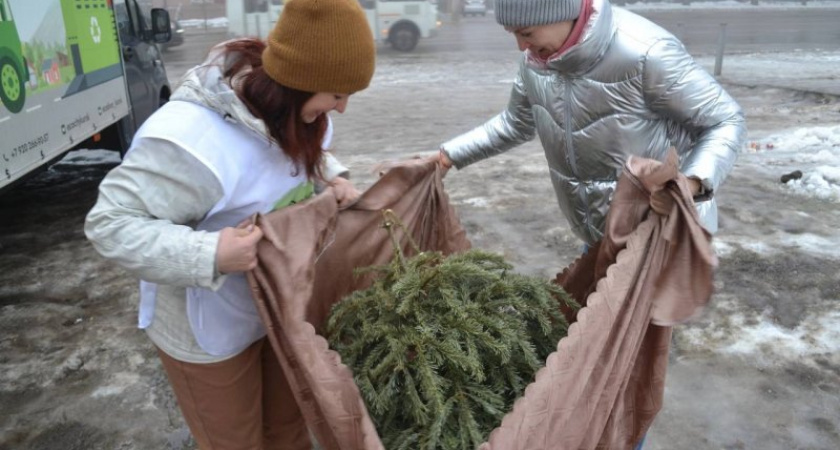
402	23
399	23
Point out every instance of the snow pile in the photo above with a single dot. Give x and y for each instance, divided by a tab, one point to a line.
823	184
818	335
816	152
776	244
751	334
90	157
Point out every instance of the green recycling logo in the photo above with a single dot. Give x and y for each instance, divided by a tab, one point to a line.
95	30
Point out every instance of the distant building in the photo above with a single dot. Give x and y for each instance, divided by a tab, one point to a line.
63	60
50	72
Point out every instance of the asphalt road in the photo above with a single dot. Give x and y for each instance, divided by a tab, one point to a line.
747	30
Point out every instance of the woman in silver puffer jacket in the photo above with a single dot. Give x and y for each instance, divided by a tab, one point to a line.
598	84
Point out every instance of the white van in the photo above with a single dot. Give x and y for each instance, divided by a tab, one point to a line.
75	74
400	23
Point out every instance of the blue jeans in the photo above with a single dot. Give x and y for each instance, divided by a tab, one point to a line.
641	443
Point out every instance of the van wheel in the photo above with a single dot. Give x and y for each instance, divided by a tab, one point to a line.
12	88
403	38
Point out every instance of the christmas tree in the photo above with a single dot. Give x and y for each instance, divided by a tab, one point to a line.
441	346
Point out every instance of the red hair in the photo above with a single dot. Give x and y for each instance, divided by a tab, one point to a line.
277	105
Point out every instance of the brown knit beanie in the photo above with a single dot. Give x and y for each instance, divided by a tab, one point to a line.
321	46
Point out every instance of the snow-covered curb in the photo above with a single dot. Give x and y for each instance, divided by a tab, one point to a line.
216	22
730	4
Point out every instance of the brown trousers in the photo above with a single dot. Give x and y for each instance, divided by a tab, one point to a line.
242	403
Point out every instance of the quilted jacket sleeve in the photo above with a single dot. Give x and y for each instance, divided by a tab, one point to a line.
141	218
679	89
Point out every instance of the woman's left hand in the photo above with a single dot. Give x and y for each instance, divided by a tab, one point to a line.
345	192
661	201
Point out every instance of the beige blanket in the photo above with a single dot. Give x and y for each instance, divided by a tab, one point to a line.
603	386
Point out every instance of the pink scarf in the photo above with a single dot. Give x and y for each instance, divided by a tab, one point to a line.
574	37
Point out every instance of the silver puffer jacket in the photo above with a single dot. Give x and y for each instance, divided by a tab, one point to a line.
627	88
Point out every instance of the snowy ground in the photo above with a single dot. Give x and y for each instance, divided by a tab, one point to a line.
759	370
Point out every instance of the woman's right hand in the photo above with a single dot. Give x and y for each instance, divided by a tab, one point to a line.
237	249
444	162
345	192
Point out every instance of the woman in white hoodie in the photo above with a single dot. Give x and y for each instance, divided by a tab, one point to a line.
245	131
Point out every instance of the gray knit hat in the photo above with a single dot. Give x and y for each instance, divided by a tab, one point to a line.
529	13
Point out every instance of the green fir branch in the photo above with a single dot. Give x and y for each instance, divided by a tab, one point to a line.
441	346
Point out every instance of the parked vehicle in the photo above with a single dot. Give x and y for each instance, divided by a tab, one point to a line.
402	23
177	36
399	23
475	8
88	83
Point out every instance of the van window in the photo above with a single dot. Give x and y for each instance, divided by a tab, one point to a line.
123	22
135	20
134	16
